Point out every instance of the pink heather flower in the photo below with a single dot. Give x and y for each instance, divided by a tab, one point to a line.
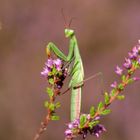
58	64
68	133
132	55
45	72
97	135
136	78
135	50
138	48
118	70
114	84
49	63
139	60
127	63
74	124
97	118
70	126
58	68
88	116
97	130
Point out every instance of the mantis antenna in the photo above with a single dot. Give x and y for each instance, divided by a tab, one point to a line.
65	21
64	18
71	20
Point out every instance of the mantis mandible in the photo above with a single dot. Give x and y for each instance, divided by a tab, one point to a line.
77	71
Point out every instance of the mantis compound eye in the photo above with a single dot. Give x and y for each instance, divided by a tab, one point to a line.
69	32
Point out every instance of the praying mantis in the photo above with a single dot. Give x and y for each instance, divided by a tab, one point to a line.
77	71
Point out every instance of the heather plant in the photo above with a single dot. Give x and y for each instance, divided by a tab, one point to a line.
57	69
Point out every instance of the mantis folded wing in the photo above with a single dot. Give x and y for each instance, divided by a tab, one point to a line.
77	72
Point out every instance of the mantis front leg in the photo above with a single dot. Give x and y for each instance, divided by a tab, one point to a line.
52	47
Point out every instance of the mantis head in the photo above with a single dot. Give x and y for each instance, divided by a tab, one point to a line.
69	32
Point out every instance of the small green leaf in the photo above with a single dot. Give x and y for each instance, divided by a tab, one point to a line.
107	98
135	64
57	105
46	104
130	71
50	74
100	106
112	94
130	81
123	78
51	106
51	81
120	97
54	71
93	123
83	120
120	86
50	92
55	118
105	112
60	73
92	111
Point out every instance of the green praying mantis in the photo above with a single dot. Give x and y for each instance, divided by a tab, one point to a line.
77	71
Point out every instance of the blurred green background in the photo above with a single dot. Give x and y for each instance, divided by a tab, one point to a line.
106	31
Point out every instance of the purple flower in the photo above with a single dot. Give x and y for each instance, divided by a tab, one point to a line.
45	71
97	118
70	126
114	84
97	130
127	63
88	116
47	68
59	86
139	61
58	64
135	50
132	55
68	133
74	124
118	70
136	78
75	127
138	47
49	63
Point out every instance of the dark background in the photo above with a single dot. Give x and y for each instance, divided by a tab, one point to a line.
106	31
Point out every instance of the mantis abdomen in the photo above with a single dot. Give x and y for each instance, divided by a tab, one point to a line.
76	84
75	103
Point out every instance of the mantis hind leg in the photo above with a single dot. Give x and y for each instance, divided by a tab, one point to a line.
101	80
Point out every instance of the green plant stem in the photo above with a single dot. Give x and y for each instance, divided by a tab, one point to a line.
44	123
117	92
